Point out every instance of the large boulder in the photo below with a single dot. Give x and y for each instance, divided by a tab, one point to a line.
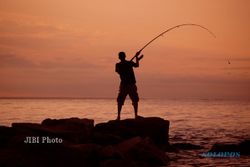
78	130
153	127
69	130
242	147
143	152
6	134
186	146
106	138
133	152
51	155
130	142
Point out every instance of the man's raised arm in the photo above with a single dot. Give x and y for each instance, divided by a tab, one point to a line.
137	59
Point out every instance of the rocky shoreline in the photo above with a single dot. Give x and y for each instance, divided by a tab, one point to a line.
78	142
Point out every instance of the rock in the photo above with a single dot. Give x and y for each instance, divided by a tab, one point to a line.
242	147
106	138
73	129
127	145
116	163
31	129
6	134
111	156
134	152
186	146
83	128
51	155
130	142
71	124
144	152
23	130
110	152
153	127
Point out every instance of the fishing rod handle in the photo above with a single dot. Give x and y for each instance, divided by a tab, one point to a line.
137	54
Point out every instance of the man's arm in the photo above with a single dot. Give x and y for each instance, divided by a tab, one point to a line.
136	64
117	69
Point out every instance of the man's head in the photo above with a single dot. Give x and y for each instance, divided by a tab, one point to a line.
122	56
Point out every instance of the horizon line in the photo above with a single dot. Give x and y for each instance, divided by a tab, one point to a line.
144	98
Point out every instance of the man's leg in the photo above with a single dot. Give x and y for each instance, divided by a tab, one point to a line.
119	111
120	100
135	98
136	109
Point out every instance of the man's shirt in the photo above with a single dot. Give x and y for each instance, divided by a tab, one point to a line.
126	72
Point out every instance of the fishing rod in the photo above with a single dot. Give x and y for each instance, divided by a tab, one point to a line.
172	28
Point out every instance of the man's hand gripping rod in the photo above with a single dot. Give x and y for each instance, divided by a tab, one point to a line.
136	55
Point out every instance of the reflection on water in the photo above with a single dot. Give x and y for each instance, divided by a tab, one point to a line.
202	122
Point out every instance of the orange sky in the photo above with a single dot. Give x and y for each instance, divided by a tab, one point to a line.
68	48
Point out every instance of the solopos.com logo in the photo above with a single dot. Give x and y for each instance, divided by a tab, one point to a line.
211	154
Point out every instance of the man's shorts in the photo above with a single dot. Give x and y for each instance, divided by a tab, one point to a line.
125	90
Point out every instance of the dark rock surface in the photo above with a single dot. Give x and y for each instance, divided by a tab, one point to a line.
186	146
153	127
242	147
131	142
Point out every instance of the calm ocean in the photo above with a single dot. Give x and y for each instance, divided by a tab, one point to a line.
201	122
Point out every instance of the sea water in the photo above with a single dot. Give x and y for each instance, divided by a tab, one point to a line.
201	122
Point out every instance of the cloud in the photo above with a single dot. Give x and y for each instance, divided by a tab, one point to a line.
17	61
164	80
67	64
243	59
11	60
41	42
240	68
39	36
21	27
37	45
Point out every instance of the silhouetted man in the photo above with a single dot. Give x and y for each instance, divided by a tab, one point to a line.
128	83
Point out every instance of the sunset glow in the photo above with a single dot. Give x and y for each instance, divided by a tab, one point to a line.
62	48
